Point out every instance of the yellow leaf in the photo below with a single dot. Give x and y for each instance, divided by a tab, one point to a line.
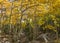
49	27
1	0
7	4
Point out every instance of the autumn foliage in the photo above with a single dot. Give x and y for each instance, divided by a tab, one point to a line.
29	14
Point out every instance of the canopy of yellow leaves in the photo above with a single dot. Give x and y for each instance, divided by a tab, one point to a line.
34	10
